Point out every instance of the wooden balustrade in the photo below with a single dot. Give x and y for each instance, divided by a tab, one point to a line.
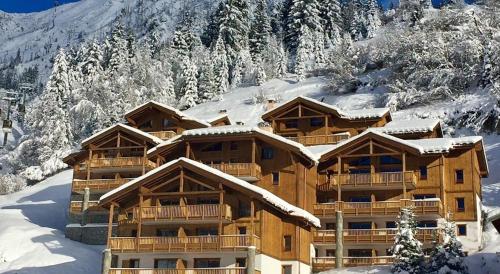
218	270
164	135
393	180
98	184
187	212
240	169
121	162
380	208
76	206
184	244
312	140
325	263
363	236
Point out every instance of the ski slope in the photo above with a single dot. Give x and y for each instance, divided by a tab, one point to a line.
31	232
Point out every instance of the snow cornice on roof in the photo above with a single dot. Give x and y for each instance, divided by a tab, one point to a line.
360	114
410	126
183	116
146	136
265	195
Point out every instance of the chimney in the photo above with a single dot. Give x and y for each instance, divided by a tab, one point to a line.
270	104
223	111
240	123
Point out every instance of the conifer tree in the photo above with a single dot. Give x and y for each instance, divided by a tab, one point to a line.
448	258
304	16
234	27
372	15
117	48
206	83
260	30
189	89
221	69
184	38
211	31
331	14
281	68
302	56
354	19
260	74
407	249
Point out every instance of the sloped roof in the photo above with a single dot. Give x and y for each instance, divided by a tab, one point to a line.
218	118
327	108
410	126
136	132
166	108
239	130
261	193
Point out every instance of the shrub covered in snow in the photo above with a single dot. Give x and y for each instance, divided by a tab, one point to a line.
11	183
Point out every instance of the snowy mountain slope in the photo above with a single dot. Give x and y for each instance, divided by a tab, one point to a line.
31	232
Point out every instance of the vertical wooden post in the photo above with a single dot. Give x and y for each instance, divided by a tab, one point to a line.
404	170
139	224
89	163
339	240
118	144
443	184
327	132
339	172
144	158
110	223
252	218
254	150
221	207
188	149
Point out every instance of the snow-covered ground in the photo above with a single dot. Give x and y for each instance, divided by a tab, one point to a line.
31	232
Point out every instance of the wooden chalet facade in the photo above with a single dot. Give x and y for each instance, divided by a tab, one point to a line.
212	198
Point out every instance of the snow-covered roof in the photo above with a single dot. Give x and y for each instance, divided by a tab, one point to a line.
239	129
444	145
409	126
347	114
213	119
180	114
264	194
119	126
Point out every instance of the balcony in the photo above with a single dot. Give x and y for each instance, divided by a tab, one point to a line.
319	139
121	162
97	184
326	263
76	206
369	181
191	213
244	171
218	270
382	208
184	244
164	135
374	236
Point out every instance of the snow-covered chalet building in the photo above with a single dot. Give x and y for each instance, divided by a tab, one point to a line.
311	188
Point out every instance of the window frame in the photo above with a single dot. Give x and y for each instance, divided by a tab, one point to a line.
459	227
267	153
457	180
287	243
457	203
294	122
276	175
422	175
321	121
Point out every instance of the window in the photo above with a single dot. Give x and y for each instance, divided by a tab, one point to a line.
206	231
287	243
427	224
359	171
168	202
206	263
146	125
388	160
423	173
286	269
360	225
207	201
233	146
267	153
134	263
276	178
364	161
243	209
166	123
461	230
291	124
162	232
391	224
241	262
133	233
359	252
317	122
460	204
360	199
330	226
213	147
423	196
242	230
166	263
330	253
459	176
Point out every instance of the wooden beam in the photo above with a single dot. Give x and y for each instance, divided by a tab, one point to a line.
88	164
339	172
404	169
199	182
254	150
188	149
252	217
139	224
181	181
118	139
190	193
110	223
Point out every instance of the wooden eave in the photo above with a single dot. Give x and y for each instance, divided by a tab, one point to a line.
75	157
293	103
111	133
131	117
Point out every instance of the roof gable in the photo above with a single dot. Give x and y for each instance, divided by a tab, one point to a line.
121	127
208	172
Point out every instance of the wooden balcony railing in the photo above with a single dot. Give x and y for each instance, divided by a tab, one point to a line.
218	270
240	169
313	140
121	162
184	244
164	135
384	180
364	236
325	263
382	208
76	206
98	184
186	212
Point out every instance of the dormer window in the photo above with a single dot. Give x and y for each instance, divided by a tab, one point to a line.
292	123
213	147
167	123
146	125
317	122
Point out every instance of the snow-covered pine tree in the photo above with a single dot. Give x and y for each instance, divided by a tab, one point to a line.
372	15
167	93
189	89
304	16
281	68
234	27
319	50
51	125
260	73
448	258
184	38
91	67
302	55
260	30
331	14
407	249
211	31
354	19
221	69
206	82
117	50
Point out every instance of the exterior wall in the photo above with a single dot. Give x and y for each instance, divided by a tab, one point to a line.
88	234
266	264
227	259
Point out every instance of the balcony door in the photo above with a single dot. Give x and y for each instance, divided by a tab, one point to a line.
206	263
166	263
360	225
